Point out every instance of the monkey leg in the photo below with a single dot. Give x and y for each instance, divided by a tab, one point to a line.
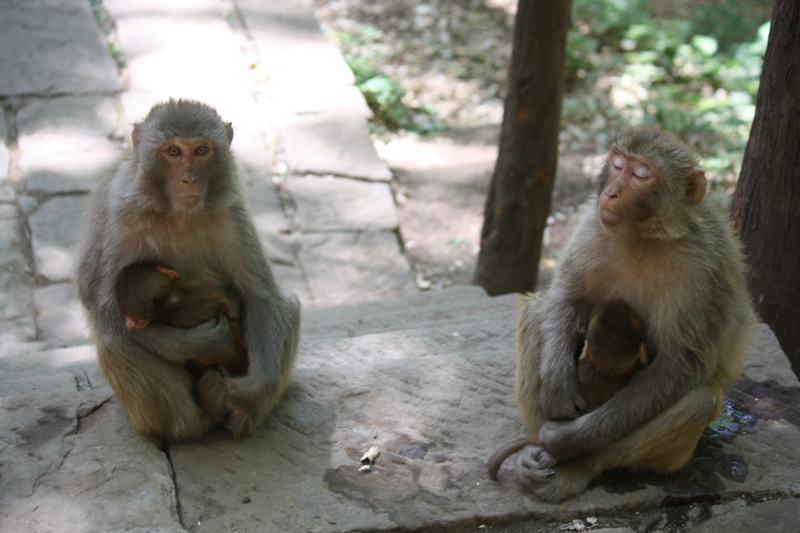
663	445
666	443
158	395
245	416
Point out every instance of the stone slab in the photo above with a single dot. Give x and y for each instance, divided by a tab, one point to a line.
268	218
289	40
297	94
12	240
459	293
435	422
53	47
55	233
39	359
181	54
332	142
292	278
341	204
6	190
499	308
16	312
354	267
65	143
60	316
73	462
364	351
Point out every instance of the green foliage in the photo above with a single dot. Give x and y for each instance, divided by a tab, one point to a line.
696	73
363	49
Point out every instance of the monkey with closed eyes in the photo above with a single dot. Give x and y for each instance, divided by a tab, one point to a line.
647	238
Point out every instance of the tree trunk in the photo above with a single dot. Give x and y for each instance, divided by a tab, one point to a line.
766	204
519	196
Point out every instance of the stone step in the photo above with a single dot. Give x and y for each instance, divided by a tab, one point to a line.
451	320
435	419
326	315
497	332
36	359
450	313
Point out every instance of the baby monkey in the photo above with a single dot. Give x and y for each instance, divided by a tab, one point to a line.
147	291
613	351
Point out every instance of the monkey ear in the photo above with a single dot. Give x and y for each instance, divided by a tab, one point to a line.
695	187
642	355
136	323
229	129
585	351
137	130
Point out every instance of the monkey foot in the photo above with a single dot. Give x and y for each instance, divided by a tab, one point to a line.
534	466
212	395
537	472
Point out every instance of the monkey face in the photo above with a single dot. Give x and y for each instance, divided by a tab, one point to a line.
185	164
628	190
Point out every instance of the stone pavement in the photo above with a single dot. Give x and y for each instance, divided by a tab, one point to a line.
426	377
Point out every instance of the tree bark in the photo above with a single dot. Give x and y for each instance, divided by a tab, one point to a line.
766	204
519	196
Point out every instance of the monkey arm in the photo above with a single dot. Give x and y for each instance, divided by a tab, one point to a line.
649	393
178	345
270	320
560	396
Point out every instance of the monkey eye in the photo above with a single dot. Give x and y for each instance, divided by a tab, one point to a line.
641	172
201	150
174	151
618	162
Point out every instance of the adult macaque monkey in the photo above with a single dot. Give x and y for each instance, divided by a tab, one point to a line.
176	200
613	352
147	291
648	240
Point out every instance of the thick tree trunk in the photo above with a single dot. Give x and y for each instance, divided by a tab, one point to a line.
519	196
766	205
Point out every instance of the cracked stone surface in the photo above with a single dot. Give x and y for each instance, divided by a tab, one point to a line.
426	377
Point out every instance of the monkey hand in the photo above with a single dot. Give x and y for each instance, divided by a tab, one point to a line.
178	345
562	401
212	337
566	439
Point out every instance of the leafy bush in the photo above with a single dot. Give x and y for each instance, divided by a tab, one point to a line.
695	73
363	49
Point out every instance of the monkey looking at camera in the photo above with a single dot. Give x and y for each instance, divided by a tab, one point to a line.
649	240
176	200
147	291
613	352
